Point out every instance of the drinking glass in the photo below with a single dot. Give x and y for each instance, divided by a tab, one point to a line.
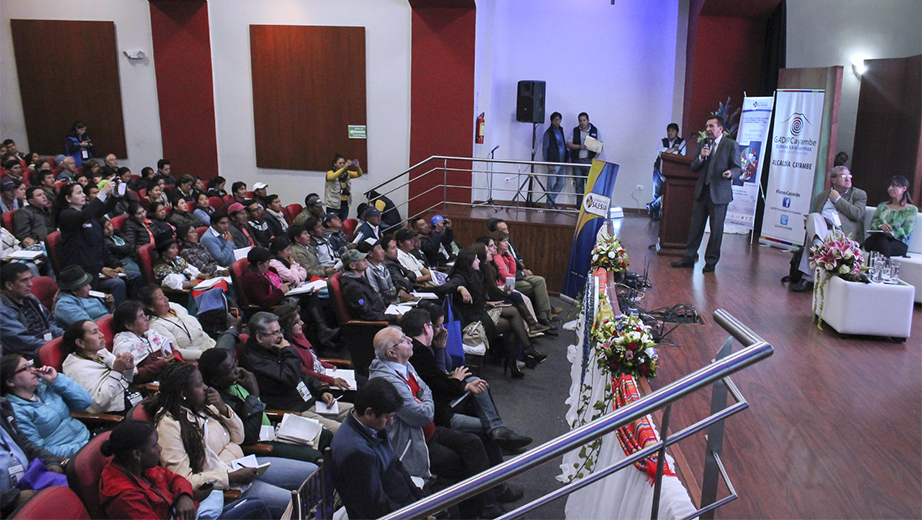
895	272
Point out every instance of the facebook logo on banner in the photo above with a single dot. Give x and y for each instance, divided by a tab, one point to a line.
786	202
784	220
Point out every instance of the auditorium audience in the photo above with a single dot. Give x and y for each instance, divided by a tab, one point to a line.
333	232
149	349
172	271
27	324
436	241
496	291
118	255
159	224
894	219
74	302
184	188
329	257
12	194
313	206
239	192
42	401
216	187
104	375
155	194
256	223
338	192
402	277
405	245
527	282
379	276
164	173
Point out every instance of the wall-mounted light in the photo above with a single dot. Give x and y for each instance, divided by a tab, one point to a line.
136	55
858	65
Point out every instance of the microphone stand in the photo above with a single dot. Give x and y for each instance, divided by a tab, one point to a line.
490	202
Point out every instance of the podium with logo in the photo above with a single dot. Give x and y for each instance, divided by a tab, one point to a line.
678	202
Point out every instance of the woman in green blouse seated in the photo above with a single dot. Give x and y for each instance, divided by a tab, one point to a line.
894	219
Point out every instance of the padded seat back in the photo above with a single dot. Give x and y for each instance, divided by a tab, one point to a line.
51	244
44	288
84	471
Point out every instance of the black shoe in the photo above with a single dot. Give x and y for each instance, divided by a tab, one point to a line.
513	370
508	439
682	263
506	493
538	357
708	268
803	285
492	511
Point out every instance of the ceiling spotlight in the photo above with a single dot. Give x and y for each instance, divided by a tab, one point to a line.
858	64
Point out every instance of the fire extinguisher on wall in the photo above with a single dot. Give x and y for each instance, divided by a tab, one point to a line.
480	123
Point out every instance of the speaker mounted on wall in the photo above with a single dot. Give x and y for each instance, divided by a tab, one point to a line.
529	101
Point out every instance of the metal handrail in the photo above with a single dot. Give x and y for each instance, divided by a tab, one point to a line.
756	350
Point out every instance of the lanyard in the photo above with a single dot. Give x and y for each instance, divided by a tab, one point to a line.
179	324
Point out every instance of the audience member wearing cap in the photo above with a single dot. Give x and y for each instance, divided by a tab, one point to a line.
238	226
290	272
172	271
197	255
12	194
338	191
218	239
371	227
256	223
275	218
74	301
333	232
313	206
436	241
405	244
261	283
259	192
363	302
380	277
27	324
303	254
390	215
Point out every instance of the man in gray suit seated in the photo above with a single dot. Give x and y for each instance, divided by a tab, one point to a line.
841	207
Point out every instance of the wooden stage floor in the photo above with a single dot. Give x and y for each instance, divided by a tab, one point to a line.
833	429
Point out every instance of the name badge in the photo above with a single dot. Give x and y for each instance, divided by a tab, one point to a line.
16	473
302	389
85	154
88	224
135	398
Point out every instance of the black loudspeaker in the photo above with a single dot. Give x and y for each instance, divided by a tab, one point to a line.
529	102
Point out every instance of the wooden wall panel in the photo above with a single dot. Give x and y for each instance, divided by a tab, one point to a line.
888	129
308	86
68	70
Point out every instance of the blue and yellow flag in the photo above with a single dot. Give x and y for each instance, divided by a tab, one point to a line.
592	216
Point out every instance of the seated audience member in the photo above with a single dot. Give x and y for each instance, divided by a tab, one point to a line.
380	277
137	229
159	225
68	170
405	244
362	300
333	232
145	180
485	247
184	188
240	391
371	227
390	215
274	217
289	272
42	400
203	210
401	276
436	242
476	414
200	436
238	226
218	240
427	449
894	220
20	452
27	324
119	255
74	301
327	255
313	207
155	194
196	254
259	192
13	169
277	366
172	271
216	187
9	245
101	373
182	329
110	168
44	179
239	192
182	212
32	223
840	207
165	173
133	485
311	364
262	284
366	471
12	193
93	171
256	223
303	253
526	282
149	349
506	268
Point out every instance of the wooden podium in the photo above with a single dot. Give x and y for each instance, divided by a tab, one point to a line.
678	202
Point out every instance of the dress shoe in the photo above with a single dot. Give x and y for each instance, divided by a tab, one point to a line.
492	511
802	285
708	268
506	493
534	355
536	326
556	310
532	334
508	439
682	263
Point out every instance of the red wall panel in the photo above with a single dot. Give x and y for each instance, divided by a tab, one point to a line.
185	86
442	98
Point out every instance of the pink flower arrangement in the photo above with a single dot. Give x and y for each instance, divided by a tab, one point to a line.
838	255
624	345
609	255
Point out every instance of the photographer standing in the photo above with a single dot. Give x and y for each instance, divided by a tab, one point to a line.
338	193
78	144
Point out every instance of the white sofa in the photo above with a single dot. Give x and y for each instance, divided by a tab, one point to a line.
911	264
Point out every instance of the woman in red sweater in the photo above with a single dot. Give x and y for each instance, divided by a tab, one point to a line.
261	283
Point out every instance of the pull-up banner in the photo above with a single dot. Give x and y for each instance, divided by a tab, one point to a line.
596	203
795	142
752	138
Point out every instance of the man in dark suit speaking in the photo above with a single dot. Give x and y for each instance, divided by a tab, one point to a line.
717	164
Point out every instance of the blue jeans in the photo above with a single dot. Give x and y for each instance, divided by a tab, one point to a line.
555	183
274	486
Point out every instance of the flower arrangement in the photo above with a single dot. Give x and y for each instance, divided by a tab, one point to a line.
609	255
625	346
837	255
